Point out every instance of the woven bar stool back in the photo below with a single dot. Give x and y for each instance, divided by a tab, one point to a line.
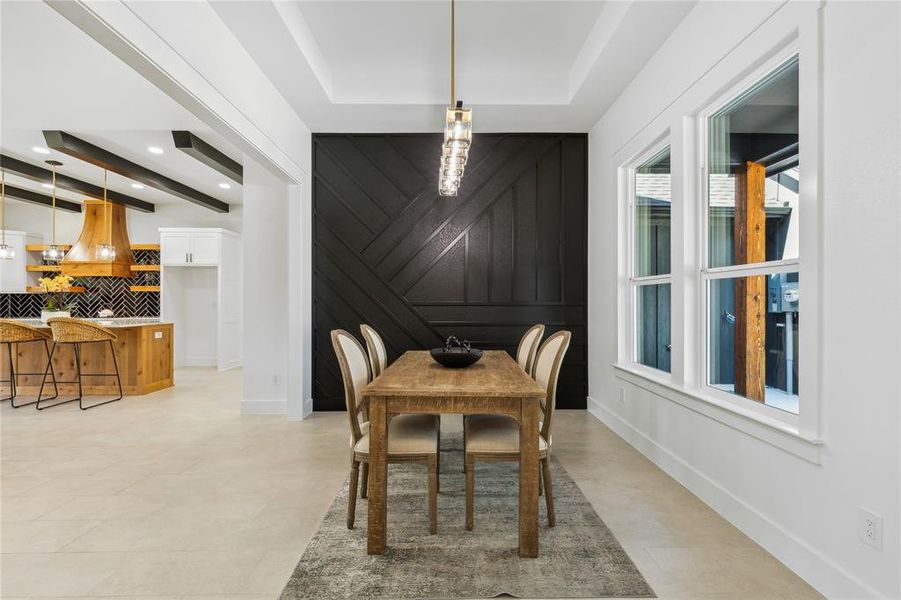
67	330
13	332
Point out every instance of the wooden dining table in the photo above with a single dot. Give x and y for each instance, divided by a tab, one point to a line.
414	383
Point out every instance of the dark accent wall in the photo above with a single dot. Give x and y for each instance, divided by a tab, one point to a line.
509	251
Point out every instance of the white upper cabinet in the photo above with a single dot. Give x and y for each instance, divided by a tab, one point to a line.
13	277
186	247
205	248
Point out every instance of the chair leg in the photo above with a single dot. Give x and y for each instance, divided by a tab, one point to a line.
49	370
438	467
81	405
540	481
464	442
12	377
364	489
352	494
433	494
548	491
469	467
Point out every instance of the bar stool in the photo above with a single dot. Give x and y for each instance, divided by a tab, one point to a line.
67	330
12	332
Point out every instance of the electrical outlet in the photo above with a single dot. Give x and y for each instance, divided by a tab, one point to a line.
276	379
870	528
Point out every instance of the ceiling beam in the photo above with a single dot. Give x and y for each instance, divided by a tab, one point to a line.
195	147
64	182
82	150
41	199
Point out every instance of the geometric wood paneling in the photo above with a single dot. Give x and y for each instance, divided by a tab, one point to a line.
507	252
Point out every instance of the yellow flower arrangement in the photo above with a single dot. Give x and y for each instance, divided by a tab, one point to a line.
60	283
55	288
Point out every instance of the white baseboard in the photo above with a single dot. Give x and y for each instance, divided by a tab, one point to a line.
816	569
199	361
264	407
233	364
307	407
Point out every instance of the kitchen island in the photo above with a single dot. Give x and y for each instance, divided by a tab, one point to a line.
143	352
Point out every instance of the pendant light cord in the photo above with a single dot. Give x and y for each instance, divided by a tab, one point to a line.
53	208
3	206
107	212
453	91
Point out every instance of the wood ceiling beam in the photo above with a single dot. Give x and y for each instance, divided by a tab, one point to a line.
196	148
82	150
64	182
41	199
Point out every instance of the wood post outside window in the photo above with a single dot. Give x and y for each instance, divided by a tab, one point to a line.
750	292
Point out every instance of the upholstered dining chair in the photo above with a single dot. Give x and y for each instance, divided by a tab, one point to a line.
496	437
528	347
525	357
411	438
378	355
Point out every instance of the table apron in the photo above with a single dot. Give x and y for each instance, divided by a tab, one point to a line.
511	407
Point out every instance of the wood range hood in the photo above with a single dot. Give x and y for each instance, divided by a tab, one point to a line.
82	261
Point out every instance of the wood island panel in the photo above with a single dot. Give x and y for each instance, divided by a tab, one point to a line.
145	363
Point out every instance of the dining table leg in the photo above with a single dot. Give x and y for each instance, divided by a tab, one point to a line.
528	478
378	476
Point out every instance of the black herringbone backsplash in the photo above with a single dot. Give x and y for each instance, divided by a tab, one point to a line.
100	293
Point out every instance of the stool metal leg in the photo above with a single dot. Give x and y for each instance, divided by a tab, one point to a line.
56	389
118	380
12	376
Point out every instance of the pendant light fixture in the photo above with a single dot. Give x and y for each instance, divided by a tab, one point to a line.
457	130
6	251
107	251
54	251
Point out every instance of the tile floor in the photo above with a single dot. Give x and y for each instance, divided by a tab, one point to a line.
176	495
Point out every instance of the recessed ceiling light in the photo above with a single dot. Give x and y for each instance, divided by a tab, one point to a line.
49	186
41	150
138	186
154	150
225	186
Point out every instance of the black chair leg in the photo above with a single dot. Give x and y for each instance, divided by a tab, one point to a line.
12	377
81	405
49	369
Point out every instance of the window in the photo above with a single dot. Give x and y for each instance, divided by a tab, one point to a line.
651	275
752	242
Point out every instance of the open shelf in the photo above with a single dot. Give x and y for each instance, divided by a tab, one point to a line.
145	246
43	268
145	267
36	289
144	288
42	247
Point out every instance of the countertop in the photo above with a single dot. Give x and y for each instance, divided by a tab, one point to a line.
110	323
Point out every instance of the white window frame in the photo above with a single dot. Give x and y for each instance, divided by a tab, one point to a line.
634	281
709	274
797	30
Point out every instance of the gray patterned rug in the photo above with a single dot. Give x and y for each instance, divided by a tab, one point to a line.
579	557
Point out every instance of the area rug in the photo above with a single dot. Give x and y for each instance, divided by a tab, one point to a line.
579	557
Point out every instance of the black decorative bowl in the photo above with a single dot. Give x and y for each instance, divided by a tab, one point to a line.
456	358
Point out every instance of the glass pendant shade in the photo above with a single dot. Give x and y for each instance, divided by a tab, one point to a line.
106	252
7	252
54	252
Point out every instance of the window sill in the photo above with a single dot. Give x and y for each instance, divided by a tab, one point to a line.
772	431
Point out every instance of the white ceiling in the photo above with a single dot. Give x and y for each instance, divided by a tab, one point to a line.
53	76
362	66
342	66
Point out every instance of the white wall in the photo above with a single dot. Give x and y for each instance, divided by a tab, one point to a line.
143	228
804	512
266	303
